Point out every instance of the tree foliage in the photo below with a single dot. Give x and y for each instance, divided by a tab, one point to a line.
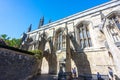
14	42
11	42
4	37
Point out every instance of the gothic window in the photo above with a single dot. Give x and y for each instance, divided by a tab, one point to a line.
114	26
114	33
59	41
63	41
85	39
115	18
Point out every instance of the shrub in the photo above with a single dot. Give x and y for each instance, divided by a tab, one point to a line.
37	53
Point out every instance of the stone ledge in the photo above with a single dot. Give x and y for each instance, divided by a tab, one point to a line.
16	49
91	49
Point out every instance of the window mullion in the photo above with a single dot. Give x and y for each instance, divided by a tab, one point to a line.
61	40
86	43
82	37
85	40
84	31
87	31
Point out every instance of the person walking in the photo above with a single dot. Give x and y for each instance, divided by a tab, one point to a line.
98	76
110	73
74	72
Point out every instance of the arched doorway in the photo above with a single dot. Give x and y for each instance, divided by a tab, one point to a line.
45	66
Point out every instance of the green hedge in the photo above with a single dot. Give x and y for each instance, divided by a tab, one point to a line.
37	53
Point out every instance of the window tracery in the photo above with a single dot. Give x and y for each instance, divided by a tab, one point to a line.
84	35
61	40
114	26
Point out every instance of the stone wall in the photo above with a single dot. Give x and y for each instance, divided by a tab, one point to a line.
16	64
90	60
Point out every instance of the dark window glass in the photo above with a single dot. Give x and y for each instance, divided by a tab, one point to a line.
90	43
59	41
88	34
85	39
81	35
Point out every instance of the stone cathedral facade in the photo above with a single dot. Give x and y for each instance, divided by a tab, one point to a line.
88	40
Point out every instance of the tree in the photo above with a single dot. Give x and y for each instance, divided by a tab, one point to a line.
11	42
4	37
15	42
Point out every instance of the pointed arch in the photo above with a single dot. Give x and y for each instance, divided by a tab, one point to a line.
83	22
114	25
113	13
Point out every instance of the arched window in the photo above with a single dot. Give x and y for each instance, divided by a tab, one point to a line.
63	41
60	39
114	25
84	36
114	17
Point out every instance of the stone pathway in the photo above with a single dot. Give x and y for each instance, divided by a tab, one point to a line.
46	77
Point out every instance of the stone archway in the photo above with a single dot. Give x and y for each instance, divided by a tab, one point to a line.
44	66
60	53
78	56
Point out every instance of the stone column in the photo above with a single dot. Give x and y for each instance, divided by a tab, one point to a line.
53	58
68	54
41	46
77	35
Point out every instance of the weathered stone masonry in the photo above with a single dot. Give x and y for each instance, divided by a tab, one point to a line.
16	64
88	40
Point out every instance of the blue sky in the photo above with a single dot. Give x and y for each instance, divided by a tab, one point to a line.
17	15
